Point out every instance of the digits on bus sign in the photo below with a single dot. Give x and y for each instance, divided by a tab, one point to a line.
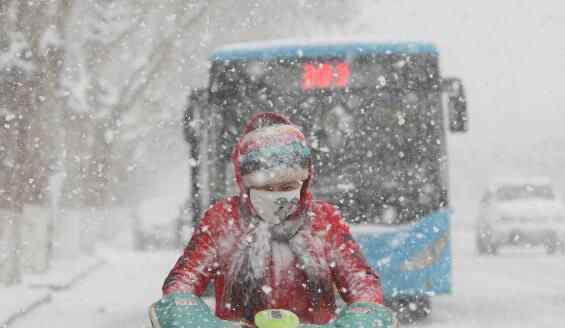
325	75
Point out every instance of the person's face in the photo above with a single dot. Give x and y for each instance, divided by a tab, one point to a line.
282	186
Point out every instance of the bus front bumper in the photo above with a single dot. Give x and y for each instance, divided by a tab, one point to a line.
411	260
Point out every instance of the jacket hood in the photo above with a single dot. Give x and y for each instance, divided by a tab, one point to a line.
256	121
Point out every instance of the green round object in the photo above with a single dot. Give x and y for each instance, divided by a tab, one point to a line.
276	319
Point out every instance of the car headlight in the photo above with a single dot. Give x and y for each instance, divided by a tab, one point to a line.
427	256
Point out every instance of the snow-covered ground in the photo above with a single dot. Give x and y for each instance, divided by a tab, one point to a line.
518	288
117	295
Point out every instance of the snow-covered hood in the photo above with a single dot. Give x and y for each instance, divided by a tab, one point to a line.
534	208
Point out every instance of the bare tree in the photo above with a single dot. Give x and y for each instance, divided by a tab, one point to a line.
31	105
116	28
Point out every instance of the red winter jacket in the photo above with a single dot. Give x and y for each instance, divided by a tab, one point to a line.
210	252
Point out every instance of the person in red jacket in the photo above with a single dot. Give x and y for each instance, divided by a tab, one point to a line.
273	246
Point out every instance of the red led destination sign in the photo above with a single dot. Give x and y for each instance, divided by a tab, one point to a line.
325	75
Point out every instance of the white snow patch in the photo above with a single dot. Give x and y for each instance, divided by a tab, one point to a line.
267	289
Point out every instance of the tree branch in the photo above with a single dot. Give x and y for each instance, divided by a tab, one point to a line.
132	93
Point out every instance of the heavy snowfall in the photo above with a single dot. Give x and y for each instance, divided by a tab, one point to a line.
96	174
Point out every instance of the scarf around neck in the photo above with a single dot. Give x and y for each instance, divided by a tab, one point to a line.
266	250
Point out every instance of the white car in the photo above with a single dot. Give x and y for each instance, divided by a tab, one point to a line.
521	212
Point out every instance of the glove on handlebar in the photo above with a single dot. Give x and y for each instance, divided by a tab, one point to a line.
179	310
364	315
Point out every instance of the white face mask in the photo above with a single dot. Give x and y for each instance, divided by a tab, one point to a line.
274	206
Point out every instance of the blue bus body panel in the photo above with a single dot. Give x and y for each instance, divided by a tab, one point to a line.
387	252
331	50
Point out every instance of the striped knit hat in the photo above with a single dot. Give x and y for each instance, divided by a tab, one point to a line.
273	154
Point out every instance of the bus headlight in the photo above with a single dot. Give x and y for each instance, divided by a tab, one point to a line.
427	256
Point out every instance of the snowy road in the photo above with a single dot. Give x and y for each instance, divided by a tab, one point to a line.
515	289
117	295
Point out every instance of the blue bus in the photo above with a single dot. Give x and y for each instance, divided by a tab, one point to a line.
376	116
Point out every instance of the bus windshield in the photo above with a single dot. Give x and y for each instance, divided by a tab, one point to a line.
374	124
